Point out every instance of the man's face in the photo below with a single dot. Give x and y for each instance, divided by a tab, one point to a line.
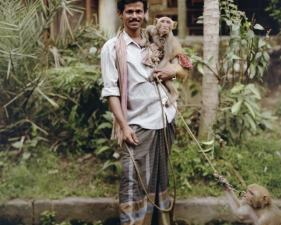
132	16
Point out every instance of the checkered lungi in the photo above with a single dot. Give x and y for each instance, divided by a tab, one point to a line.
152	161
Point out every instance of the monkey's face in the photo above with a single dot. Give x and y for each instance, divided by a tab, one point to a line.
164	25
257	196
132	16
248	197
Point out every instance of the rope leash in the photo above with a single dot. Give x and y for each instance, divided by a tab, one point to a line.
229	186
187	127
172	168
143	187
171	207
170	163
215	173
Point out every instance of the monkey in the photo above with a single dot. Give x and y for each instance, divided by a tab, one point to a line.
255	207
152	36
160	34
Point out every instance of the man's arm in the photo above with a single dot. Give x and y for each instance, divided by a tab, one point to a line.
128	133
165	73
172	70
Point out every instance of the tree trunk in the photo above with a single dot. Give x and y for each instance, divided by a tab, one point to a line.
211	48
182	19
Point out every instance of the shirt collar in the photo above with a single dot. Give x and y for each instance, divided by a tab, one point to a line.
128	39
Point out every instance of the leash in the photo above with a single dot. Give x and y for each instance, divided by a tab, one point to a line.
172	168
143	187
133	160
187	127
171	207
215	173
170	163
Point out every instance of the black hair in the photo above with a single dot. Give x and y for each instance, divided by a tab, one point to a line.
121	4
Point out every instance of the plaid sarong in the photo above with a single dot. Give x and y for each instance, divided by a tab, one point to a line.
152	161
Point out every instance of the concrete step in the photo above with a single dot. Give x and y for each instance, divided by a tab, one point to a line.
195	210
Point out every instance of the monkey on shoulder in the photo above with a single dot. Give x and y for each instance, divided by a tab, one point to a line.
255	207
160	34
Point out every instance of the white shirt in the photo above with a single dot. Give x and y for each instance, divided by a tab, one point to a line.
144	108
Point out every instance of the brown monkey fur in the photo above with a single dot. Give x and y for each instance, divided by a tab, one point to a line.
160	33
255	207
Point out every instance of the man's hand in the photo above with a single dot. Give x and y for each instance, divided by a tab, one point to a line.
164	74
129	135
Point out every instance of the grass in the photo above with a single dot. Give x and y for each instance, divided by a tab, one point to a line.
42	174
257	160
49	175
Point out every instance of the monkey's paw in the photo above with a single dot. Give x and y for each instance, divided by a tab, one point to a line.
151	78
154	77
168	103
224	182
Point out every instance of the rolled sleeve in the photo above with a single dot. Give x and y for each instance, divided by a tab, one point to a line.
111	91
109	71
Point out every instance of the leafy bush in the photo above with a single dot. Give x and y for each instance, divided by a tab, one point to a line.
256	160
50	89
244	63
239	70
274	7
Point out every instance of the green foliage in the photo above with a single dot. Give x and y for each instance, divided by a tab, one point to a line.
197	61
189	166
246	56
274	7
239	114
32	176
51	88
188	112
48	218
239	70
256	160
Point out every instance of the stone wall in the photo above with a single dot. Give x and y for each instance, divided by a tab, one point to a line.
90	210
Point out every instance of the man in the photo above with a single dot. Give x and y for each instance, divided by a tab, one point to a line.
139	121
